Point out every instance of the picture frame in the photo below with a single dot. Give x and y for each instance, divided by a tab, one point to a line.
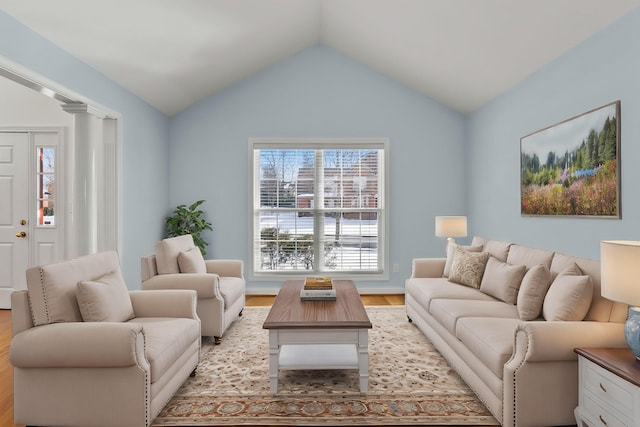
572	168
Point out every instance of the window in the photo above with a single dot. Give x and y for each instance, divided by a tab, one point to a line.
319	207
46	178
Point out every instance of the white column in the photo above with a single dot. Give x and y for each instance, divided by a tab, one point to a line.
85	165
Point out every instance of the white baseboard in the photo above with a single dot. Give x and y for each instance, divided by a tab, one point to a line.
5	298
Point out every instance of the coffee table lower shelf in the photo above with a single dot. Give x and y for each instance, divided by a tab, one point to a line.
339	349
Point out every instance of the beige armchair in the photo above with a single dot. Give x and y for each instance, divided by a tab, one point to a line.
88	352
220	284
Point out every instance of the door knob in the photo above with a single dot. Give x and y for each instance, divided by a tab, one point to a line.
21	234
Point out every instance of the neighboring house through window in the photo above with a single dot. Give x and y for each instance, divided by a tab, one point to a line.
319	207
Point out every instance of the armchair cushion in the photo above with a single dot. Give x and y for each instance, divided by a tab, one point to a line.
52	287
105	299
231	289
167	252
192	261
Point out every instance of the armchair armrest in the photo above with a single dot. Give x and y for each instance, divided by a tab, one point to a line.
204	284
555	341
427	267
164	303
225	267
79	345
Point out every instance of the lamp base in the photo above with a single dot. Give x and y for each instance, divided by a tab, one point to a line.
632	331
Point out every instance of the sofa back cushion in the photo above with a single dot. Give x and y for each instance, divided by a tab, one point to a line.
496	248
601	309
52	287
523	255
167	252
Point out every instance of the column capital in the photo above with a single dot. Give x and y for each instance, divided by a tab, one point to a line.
81	107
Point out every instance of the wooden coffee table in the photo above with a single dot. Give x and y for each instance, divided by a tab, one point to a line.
318	334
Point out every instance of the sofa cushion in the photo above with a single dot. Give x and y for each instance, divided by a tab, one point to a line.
448	312
502	280
52	287
232	289
569	296
424	291
468	267
105	299
490	339
165	340
451	252
533	289
192	261
523	255
497	249
167	251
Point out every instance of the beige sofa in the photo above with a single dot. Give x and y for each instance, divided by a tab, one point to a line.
512	336
178	264
88	352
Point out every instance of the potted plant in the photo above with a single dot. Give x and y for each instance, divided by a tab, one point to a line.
189	220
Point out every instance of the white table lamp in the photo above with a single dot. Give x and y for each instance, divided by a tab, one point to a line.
620	276
451	226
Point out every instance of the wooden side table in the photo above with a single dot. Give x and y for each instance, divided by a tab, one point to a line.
609	393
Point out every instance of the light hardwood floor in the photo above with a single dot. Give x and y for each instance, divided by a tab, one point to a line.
6	371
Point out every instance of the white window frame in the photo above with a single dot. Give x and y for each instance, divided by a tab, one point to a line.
311	144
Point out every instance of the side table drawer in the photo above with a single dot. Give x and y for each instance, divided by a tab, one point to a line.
601	416
609	390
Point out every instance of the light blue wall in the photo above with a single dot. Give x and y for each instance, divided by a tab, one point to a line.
144	136
603	69
321	93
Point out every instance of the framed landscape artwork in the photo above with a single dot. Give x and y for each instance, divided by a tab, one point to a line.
573	168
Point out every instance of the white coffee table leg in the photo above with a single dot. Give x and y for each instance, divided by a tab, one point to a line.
274	357
363	359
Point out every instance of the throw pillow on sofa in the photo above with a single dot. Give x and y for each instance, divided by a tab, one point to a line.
569	296
533	289
451	253
468	267
502	280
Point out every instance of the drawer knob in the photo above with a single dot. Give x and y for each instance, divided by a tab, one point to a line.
602	420
603	388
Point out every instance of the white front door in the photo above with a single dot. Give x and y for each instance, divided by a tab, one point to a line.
30	223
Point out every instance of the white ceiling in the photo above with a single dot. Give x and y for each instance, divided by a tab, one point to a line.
173	53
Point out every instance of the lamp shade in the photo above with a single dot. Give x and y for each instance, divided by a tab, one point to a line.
620	271
451	226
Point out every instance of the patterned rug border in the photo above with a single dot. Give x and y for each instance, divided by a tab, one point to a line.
204	402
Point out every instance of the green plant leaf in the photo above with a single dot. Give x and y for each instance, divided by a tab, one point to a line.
188	220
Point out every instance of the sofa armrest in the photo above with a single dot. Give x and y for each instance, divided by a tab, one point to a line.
541	341
164	303
225	267
79	345
206	285
428	267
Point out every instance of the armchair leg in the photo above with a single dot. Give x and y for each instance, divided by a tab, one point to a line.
240	314
409	319
193	373
216	340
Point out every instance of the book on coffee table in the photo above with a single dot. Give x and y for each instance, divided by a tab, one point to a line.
317	294
318	283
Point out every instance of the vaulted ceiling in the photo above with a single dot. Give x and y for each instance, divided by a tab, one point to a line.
173	53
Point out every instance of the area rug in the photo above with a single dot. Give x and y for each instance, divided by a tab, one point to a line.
410	383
